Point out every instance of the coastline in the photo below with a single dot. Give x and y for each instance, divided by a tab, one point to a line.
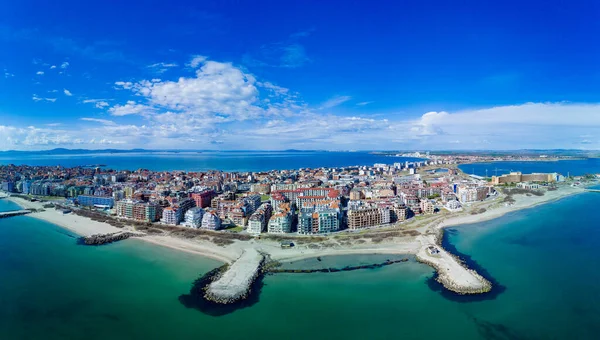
452	272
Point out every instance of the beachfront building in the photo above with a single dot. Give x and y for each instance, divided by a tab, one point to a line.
193	217
398	212
368	216
124	208
211	221
139	211
147	212
169	216
8	186
259	220
282	220
468	194
528	185
516	177
453	206
427	207
318	222
363	217
95	201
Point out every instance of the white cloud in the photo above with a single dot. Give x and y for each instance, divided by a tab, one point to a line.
97	120
52	67
124	84
8	74
40	73
335	101
197	60
130	108
37	98
64	65
162	67
218	89
67	93
98	103
364	103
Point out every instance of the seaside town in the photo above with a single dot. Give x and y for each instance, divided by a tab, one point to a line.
303	201
250	220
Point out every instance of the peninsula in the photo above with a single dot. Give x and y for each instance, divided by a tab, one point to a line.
249	219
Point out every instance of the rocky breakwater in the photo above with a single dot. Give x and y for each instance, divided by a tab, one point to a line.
452	273
100	239
235	283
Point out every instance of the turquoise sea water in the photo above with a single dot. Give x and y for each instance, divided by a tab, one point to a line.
208	160
546	258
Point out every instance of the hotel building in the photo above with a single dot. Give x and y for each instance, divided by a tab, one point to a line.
91	201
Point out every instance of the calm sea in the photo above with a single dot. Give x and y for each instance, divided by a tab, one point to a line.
209	160
566	167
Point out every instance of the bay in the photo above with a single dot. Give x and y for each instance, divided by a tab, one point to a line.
208	160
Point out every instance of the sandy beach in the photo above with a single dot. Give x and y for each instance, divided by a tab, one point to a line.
407	245
453	274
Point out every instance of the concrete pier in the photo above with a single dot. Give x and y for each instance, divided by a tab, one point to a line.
452	273
235	283
14	213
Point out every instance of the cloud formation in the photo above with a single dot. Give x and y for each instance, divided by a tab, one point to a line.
335	101
220	103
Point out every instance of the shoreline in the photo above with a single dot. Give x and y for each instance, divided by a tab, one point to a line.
453	274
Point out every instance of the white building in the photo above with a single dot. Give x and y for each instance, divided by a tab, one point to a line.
211	221
453	206
280	223
258	221
193	217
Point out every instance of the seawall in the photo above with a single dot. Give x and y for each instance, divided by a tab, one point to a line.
234	284
452	273
100	239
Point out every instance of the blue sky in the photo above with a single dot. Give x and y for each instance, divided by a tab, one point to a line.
300	74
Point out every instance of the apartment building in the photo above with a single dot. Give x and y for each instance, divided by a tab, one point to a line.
91	201
427	207
203	198
318	222
257	223
211	221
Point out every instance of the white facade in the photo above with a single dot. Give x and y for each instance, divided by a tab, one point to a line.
211	221
193	217
280	223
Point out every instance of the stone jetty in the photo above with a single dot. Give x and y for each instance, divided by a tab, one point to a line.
234	284
100	239
452	273
6	214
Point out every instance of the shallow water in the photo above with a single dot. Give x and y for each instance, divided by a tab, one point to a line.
546	258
